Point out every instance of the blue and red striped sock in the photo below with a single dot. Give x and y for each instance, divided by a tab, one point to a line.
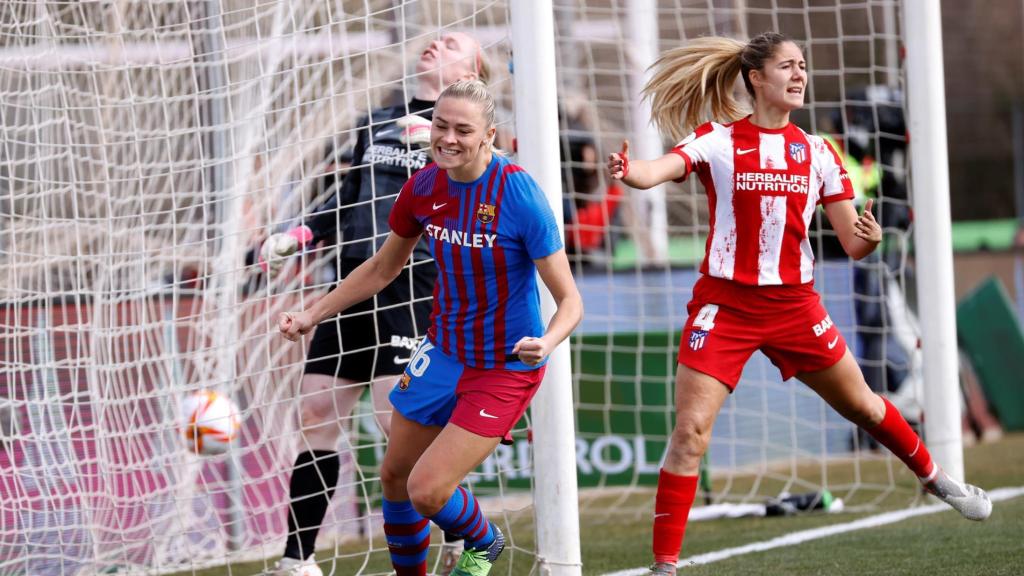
408	536
461	515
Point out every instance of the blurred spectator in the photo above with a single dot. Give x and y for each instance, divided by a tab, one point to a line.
587	211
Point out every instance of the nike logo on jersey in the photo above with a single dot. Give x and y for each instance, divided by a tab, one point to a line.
741	151
390	131
439	206
833	343
656	516
483	412
400	360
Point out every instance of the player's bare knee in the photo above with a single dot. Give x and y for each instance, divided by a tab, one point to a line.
689	442
393	477
315	411
427	499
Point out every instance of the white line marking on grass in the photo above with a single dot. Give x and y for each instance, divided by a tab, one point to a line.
823	532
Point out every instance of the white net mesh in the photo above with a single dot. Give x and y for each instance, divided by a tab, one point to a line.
148	146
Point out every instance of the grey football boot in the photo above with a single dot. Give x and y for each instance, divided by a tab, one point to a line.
969	500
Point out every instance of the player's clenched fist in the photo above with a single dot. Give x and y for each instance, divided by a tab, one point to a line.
618	163
294	324
531	351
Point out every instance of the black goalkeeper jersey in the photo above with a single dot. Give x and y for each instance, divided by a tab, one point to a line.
358	214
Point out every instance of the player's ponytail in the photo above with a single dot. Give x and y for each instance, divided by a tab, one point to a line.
694	83
482	67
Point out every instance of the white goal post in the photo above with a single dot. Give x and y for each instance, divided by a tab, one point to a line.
554	458
929	161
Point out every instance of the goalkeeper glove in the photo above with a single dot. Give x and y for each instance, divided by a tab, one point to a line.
415	131
282	245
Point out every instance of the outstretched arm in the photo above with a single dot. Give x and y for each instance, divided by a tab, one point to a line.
367	279
644	174
859	235
555	273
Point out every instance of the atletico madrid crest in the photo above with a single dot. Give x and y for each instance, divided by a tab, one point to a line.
798	152
485	213
697	338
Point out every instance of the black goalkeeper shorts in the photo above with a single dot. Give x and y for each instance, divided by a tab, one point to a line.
362	344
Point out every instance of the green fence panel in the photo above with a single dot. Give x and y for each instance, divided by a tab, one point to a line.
989	332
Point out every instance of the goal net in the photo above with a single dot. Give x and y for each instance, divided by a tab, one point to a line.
148	147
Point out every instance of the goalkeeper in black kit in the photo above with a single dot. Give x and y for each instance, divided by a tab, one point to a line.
374	341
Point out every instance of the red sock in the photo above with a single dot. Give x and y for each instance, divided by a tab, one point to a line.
671	509
895	434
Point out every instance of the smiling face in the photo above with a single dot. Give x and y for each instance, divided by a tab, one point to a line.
454	56
780	84
460	138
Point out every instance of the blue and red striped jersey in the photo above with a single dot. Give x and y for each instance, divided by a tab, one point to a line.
484	236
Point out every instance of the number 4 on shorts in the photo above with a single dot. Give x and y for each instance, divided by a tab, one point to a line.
705	319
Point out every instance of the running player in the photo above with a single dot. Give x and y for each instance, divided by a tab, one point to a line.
490	231
375	343
764	178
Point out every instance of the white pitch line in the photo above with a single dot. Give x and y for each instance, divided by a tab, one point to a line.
816	533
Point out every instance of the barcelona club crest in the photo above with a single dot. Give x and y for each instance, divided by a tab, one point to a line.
697	338
798	152
403	382
485	213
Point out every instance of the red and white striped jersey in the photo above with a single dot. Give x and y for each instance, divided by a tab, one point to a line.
763	186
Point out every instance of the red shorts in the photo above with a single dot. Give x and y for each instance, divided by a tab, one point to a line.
729	321
491	401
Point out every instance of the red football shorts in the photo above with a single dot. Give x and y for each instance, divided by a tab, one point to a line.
491	401
729	321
